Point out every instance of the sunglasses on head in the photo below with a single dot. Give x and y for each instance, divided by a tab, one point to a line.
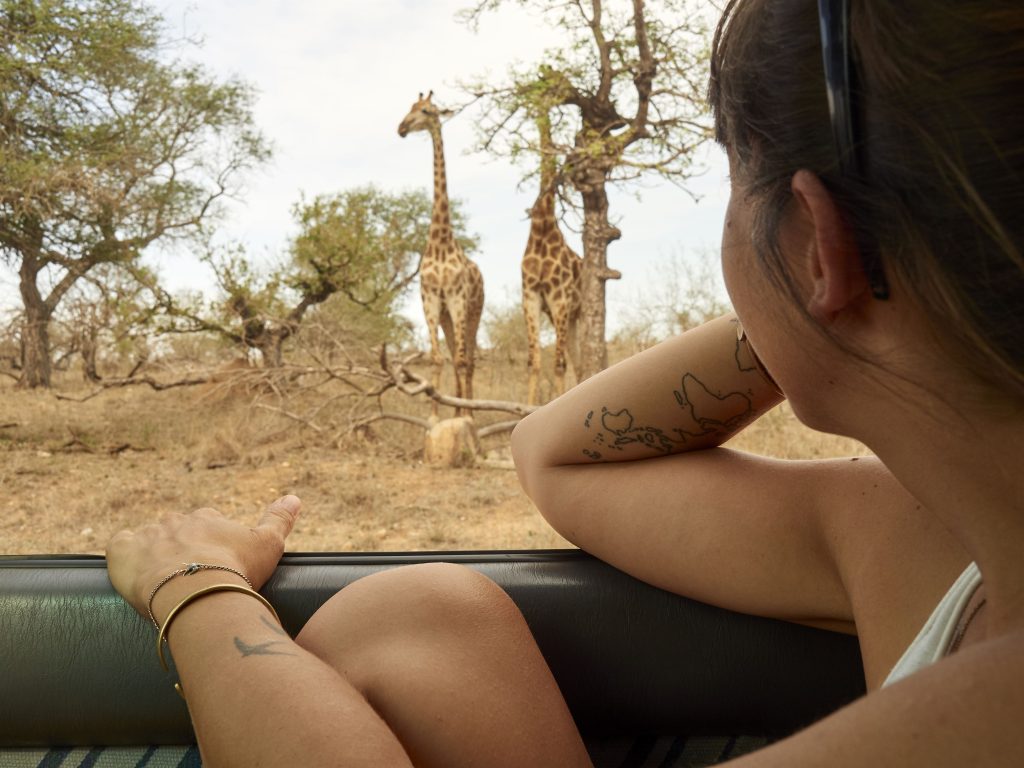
837	52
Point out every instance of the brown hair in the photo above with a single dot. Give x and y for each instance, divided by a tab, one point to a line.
940	120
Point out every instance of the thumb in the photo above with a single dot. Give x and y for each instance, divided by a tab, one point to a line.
280	516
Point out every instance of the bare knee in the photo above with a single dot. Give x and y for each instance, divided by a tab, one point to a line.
403	609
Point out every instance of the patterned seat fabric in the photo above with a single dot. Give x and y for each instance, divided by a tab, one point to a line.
643	752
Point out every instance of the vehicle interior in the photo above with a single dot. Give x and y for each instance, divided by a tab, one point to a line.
652	679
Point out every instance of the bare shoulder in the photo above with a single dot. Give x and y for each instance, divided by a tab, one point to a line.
896	560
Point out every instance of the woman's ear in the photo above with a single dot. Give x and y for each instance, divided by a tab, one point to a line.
834	267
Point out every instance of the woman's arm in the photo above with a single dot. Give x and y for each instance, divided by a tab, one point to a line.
255	696
692	391
618	466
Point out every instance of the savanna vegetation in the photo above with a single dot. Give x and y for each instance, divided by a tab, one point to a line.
121	400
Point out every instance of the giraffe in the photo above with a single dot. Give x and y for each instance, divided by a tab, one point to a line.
451	285
551	275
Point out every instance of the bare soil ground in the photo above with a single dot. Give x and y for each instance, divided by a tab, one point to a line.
73	474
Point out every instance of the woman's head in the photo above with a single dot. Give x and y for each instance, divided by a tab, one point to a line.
940	124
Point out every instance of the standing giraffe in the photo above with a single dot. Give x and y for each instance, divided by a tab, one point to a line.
551	275
451	285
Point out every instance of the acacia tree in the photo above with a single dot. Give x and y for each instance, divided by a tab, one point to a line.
626	99
361	244
105	147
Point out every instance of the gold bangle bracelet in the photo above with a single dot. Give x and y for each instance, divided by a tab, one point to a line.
161	639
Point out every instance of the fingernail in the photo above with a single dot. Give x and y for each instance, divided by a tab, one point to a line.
291	503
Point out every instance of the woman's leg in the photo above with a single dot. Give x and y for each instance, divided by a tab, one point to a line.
445	657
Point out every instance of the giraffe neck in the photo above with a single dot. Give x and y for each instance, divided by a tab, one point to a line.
440	218
544	207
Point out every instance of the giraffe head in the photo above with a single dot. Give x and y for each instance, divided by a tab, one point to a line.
422	115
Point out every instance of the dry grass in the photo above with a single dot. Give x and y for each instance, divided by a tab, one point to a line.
70	482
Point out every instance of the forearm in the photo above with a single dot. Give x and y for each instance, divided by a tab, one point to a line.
255	696
692	391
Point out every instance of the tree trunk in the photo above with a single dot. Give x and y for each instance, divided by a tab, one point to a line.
35	328
271	349
89	351
597	233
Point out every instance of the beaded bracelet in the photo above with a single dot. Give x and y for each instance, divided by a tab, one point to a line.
188	570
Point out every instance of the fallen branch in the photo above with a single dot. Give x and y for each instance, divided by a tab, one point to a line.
151	383
293	416
412	384
365	422
117	450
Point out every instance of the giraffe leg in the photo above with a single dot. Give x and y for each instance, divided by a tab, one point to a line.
432	314
572	344
531	310
457	310
560	319
474	311
449	340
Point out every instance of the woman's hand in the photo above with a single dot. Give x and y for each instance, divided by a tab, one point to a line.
138	560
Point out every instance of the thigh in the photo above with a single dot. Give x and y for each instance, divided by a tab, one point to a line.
446	658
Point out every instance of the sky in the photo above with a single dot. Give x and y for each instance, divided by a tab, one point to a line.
335	77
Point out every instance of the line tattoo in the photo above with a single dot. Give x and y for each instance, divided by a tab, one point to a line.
260	649
705	413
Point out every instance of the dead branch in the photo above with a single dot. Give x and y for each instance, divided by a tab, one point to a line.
120	448
412	384
293	416
150	382
367	421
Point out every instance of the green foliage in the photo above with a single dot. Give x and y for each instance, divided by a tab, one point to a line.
365	244
105	145
629	105
354	257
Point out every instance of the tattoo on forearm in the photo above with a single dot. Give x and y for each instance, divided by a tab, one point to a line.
705	413
259	649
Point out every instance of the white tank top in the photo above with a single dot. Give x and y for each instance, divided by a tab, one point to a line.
933	641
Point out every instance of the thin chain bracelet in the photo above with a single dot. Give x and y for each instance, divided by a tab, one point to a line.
188	570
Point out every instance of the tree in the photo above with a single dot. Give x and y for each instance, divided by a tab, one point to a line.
626	100
361	245
105	148
106	317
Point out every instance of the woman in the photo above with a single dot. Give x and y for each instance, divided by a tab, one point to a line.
879	279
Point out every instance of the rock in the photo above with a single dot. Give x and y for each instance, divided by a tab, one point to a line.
451	443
